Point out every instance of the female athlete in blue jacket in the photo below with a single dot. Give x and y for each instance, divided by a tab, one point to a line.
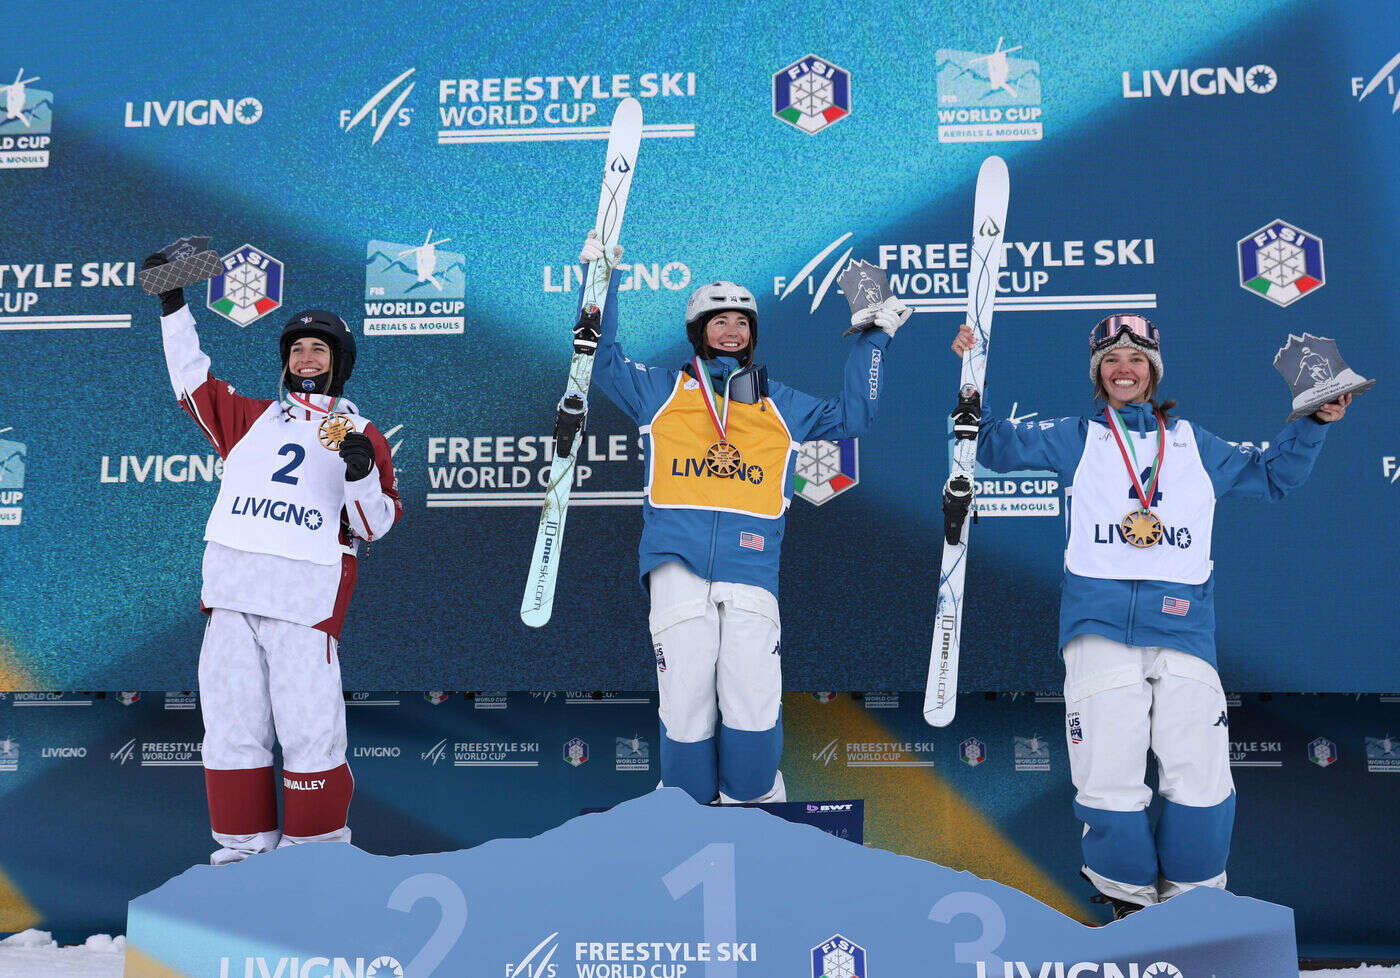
721	452
1137	611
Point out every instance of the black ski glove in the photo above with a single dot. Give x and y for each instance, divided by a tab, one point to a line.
172	301
358	453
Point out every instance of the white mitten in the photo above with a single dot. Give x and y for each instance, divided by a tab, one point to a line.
593	250
889	315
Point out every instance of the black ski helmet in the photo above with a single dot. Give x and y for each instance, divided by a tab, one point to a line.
714	298
331	328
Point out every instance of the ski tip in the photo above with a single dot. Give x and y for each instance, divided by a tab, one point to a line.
939	718
536	617
993	167
628	112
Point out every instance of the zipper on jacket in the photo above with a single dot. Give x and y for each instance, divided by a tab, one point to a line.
1132	612
714	537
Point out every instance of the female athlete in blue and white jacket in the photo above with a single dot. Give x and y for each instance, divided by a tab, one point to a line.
713	525
1137	611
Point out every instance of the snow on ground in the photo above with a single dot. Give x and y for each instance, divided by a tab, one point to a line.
34	952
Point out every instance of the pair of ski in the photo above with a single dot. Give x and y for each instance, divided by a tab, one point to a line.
988	223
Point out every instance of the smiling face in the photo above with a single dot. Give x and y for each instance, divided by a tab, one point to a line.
1126	375
728	332
308	357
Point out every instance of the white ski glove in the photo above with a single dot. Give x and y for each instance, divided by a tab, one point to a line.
888	315
593	250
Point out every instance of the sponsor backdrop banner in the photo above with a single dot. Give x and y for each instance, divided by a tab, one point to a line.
1225	168
106	792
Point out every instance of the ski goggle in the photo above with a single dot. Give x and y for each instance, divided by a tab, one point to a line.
1139	328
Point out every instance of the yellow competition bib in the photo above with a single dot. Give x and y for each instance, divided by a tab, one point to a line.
679	474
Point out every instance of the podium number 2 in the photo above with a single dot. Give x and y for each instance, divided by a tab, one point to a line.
449	896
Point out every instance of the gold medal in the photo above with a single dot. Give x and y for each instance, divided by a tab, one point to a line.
1141	528
723	459
334	428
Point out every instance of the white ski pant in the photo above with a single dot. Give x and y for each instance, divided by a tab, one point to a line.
1120	702
263	680
719	675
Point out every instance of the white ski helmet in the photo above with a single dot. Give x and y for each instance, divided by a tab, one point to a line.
714	298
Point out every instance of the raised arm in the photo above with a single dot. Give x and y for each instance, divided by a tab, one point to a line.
223	415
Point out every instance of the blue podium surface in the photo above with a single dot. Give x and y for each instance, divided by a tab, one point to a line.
660	887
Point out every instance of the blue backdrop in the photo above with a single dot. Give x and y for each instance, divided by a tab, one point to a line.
1214	165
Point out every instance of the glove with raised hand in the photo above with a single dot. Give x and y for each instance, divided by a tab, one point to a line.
593	250
888	315
358	453
173	300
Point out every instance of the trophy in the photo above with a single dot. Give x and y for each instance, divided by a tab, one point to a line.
1316	373
865	286
188	261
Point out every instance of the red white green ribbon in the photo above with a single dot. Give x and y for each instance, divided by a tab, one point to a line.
1120	433
707	391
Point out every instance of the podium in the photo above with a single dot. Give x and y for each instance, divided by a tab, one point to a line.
660	887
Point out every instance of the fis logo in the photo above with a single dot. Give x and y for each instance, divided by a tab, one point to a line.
1222	721
381	118
1381	80
539	963
435	753
827	754
1390	468
9	755
125	752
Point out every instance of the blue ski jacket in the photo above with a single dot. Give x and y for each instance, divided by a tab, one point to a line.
715	542
1129	611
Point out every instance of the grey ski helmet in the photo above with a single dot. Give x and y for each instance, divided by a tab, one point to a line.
714	298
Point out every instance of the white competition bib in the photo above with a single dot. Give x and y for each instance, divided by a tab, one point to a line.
1102	494
282	491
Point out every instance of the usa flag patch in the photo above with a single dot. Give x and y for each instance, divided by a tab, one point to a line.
1175	606
751	540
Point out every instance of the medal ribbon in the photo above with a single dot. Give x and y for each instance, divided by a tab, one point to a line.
720	421
306	403
1115	423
